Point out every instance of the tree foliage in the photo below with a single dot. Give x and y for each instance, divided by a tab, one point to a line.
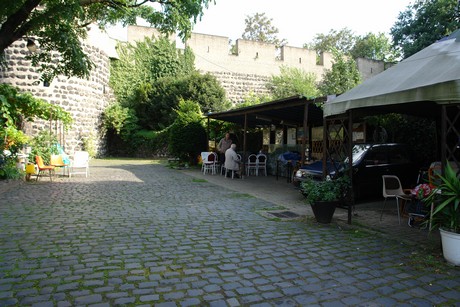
155	101
145	62
252	99
342	40
343	76
17	108
122	120
423	23
369	46
375	47
187	136
292	81
259	28
58	26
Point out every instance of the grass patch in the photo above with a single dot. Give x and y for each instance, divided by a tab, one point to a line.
199	180
273	208
429	258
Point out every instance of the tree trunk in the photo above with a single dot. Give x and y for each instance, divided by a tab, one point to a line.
16	25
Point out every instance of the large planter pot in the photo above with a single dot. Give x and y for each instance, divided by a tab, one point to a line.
450	246
324	210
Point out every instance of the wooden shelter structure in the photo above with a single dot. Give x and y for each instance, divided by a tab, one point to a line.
295	111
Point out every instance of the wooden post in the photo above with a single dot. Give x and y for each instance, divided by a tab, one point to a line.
244	145
305	127
350	163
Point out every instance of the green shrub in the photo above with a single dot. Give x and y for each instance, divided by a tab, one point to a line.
149	143
8	168
89	144
187	141
121	120
43	145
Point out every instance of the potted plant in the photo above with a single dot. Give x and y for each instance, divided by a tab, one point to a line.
446	213
324	196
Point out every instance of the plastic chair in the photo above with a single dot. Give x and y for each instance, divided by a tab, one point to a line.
209	163
392	189
251	165
58	162
204	157
261	164
43	168
79	164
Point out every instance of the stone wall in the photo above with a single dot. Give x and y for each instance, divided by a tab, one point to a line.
252	63
239	85
245	71
84	99
250	66
369	68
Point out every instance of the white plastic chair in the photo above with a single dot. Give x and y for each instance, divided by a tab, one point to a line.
209	163
204	157
392	189
261	164
251	165
79	164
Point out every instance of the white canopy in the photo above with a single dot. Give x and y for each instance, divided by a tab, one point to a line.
430	75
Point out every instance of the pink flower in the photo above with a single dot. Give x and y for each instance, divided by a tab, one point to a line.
421	191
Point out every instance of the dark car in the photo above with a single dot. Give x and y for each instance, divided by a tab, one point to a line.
370	162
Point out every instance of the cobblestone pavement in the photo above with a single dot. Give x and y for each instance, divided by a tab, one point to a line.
136	233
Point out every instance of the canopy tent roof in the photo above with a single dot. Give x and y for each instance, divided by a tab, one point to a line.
288	111
415	85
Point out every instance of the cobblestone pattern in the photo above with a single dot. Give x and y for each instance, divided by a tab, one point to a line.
142	234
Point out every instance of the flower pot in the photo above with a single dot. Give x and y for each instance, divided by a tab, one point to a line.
324	210
450	246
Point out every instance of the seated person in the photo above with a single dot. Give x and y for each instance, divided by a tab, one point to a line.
232	163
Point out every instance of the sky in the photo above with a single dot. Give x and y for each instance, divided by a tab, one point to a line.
299	21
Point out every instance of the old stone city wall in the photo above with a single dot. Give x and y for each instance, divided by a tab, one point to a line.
245	71
253	63
84	99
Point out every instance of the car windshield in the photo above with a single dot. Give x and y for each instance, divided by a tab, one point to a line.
358	152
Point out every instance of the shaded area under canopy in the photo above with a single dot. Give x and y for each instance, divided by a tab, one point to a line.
288	111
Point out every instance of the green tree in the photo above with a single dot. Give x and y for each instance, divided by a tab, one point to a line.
374	47
156	100
260	28
122	120
342	41
292	81
343	76
59	25
252	99
187	136
145	62
423	23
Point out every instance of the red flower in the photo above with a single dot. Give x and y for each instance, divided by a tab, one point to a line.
421	191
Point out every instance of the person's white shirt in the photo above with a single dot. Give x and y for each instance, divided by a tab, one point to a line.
232	162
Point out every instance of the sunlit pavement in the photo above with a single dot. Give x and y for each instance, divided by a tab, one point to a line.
137	233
